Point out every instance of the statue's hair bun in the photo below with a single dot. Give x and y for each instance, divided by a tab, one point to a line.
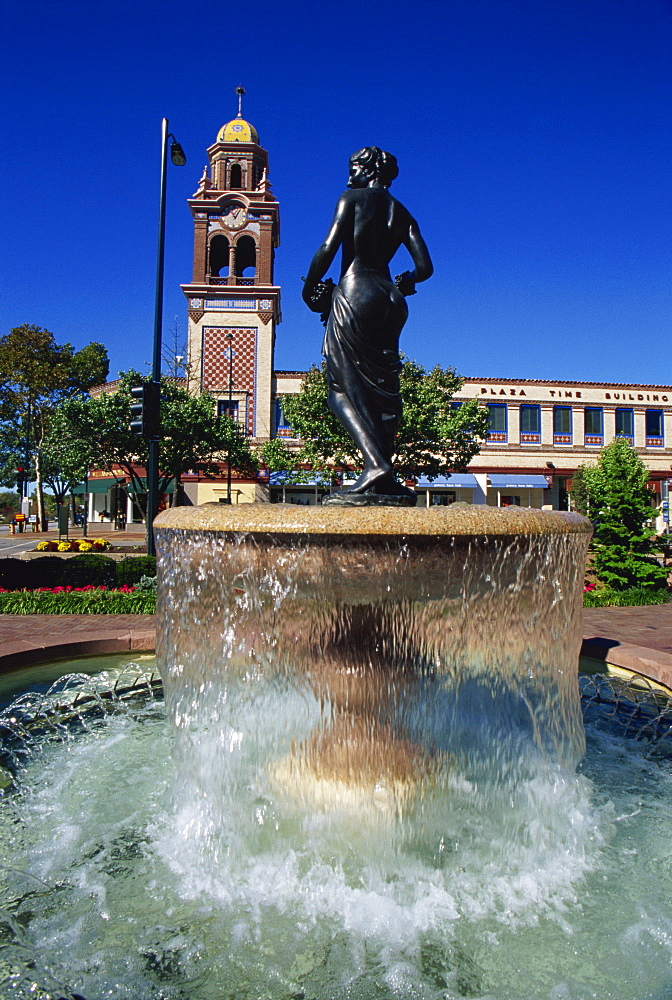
377	163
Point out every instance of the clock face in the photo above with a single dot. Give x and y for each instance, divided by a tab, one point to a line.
234	216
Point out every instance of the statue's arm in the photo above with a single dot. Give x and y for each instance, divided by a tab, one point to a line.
423	268
324	255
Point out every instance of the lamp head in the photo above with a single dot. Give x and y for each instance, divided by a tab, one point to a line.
177	153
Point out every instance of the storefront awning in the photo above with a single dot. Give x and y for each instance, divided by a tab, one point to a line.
517	481
103	485
95	486
131	487
459	480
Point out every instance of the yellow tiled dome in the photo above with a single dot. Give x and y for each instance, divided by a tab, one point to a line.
237	130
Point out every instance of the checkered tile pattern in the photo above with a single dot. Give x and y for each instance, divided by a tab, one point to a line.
216	363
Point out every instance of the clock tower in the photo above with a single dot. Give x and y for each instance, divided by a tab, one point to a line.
232	300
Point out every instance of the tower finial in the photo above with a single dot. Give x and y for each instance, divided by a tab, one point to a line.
240	90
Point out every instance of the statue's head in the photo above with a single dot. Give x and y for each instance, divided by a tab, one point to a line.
371	165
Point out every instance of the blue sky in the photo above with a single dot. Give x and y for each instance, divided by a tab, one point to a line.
534	139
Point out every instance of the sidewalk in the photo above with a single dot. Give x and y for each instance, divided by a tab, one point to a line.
637	639
29	639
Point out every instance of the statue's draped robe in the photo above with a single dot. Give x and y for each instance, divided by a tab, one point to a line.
361	347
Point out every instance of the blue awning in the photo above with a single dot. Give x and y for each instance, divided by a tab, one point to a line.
463	480
517	481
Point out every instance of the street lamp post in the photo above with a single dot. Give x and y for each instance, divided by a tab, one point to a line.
179	159
228	352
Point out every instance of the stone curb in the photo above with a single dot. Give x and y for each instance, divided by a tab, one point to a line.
28	652
652	663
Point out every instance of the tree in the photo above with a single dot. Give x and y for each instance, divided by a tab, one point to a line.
36	374
10	503
615	495
192	436
434	437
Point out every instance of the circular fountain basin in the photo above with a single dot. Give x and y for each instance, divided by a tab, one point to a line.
119	880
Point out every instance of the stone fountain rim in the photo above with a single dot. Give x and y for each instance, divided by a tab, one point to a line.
271	519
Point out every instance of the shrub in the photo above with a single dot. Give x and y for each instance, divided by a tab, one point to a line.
46	571
13	573
634	597
617	499
89	570
132	569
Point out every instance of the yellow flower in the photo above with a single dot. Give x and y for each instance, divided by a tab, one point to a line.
42	546
64	546
102	542
85	546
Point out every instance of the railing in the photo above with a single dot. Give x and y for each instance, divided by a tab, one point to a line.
232	280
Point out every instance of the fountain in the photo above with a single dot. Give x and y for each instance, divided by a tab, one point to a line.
364	783
365	787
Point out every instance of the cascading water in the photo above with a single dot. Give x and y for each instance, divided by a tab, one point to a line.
366	785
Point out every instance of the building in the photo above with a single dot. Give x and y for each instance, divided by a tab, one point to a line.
541	431
232	301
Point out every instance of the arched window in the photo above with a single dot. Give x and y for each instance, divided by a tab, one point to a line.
236	176
219	257
246	257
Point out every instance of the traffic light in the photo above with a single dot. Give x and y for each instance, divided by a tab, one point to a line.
145	409
21	479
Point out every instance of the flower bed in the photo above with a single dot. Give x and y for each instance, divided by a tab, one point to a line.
78	601
76	545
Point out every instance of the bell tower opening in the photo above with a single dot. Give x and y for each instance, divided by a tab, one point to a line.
219	257
246	257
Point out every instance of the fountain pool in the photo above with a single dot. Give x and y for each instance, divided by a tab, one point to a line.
230	843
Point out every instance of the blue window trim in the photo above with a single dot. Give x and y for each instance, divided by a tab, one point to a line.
530	406
625	409
499	437
570	432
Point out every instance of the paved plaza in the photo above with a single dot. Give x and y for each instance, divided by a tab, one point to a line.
637	639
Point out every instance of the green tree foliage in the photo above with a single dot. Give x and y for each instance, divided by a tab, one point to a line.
580	492
192	436
10	503
615	495
433	439
36	374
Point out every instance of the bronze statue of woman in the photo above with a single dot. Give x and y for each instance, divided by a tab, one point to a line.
366	312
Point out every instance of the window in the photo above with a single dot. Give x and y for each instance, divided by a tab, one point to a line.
593	425
562	425
530	424
224	409
497	413
443	499
654	428
236	176
282	426
510	501
625	423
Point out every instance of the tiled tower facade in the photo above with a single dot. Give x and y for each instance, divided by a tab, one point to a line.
232	301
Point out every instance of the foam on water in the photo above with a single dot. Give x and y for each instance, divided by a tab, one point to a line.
553	886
